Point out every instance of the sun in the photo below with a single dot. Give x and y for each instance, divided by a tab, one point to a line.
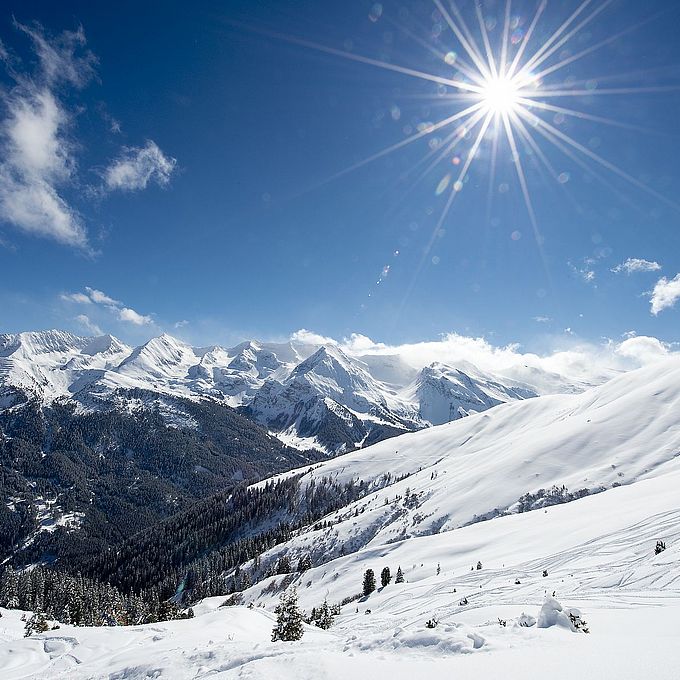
500	95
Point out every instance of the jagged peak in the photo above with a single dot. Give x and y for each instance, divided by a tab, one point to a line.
102	344
42	342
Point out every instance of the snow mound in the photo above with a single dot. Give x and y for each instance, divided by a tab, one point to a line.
445	640
552	613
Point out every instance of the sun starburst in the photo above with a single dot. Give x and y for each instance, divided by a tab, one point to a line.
503	93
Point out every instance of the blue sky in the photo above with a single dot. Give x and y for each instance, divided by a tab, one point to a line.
176	171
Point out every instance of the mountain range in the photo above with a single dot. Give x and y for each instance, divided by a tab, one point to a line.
309	396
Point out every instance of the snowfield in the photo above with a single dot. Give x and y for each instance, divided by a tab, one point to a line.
598	551
616	448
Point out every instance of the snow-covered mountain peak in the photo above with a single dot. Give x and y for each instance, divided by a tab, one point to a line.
105	344
446	393
164	356
327	359
32	343
255	360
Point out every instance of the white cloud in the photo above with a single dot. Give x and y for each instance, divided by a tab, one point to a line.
636	264
542	319
36	161
88	325
127	314
305	337
181	324
101	299
568	356
665	294
643	349
137	166
80	298
35	148
37	144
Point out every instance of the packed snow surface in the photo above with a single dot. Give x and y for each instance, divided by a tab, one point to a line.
598	553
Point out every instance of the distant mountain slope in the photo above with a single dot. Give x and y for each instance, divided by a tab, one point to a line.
76	483
308	396
515	457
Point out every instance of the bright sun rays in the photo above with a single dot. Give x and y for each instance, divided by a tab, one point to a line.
500	95
503	90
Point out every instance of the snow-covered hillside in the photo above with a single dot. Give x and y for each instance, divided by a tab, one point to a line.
310	396
613	452
598	553
505	460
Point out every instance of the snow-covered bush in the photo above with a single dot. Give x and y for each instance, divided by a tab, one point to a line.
553	614
526	620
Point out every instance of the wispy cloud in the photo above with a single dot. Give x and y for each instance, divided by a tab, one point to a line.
636	264
38	144
88	325
36	150
583	270
665	294
121	312
137	166
80	298
100	298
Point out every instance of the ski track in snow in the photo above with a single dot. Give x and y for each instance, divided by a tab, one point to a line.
629	597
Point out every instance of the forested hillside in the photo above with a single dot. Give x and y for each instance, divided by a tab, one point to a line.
78	483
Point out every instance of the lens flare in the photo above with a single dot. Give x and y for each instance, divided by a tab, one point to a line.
500	95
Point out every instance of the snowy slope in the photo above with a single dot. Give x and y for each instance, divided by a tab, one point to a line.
622	439
629	597
454	474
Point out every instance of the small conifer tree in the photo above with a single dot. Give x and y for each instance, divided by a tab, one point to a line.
289	622
385	577
400	576
323	616
369	581
36	624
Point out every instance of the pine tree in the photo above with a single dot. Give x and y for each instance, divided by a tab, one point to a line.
304	563
369	581
400	576
323	616
36	624
283	565
385	577
289	622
